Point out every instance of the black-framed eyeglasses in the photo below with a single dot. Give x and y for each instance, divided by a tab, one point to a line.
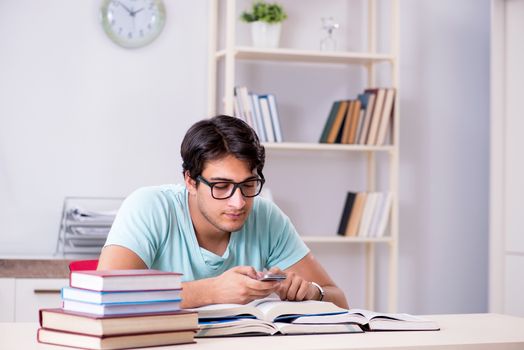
226	189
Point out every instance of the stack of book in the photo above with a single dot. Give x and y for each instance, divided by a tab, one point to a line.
272	316
363	121
260	112
365	214
119	309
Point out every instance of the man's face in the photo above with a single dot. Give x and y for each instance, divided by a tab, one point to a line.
224	215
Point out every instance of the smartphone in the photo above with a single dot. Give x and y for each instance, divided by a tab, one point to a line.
272	277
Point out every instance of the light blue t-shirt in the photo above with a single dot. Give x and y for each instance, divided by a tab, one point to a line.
154	222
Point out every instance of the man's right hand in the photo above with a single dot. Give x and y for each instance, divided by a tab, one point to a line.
238	285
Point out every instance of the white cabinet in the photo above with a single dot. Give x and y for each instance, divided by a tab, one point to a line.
7	299
33	294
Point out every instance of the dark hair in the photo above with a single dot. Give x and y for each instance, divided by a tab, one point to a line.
217	137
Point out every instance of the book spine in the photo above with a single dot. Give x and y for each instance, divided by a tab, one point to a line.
348	205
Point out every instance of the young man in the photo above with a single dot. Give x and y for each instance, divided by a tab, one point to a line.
215	230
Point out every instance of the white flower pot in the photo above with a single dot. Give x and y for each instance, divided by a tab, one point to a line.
266	35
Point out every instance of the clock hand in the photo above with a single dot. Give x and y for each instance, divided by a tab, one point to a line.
137	11
126	8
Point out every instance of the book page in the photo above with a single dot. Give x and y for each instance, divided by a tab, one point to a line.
277	309
399	316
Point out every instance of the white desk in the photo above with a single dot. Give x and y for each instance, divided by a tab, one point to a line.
473	331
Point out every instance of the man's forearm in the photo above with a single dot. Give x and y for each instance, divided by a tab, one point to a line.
197	293
336	296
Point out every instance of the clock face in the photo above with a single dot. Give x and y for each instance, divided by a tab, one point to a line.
133	23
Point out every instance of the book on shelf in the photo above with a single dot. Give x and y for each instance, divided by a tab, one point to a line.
121	308
329	122
367	214
77	322
246	107
375	117
124	341
275	118
338	122
378	227
266	117
363	98
386	115
364	120
267	316
375	321
375	217
344	219
125	280
355	120
347	123
257	113
369	105
356	214
97	297
260	112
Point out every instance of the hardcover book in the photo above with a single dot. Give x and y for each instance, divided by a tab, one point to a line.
125	280
113	342
329	122
247	327
375	321
268	316
77	322
346	212
268	309
121	308
96	297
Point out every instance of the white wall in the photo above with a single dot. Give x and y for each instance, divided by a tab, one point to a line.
444	155
80	116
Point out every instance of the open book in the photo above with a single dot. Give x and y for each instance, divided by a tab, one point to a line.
269	316
374	321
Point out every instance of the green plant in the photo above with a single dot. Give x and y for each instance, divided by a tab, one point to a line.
265	12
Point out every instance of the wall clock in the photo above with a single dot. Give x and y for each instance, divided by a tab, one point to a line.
133	23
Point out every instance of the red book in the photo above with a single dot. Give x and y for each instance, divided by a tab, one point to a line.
125	280
89	324
113	342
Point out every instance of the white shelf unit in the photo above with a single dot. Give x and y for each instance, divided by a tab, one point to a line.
231	54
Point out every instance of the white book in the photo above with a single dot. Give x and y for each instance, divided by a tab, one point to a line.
371	320
97	297
360	126
267	309
376	214
375	117
363	135
246	107
237	108
257	114
385	214
385	116
275	118
367	214
246	326
121	308
266	114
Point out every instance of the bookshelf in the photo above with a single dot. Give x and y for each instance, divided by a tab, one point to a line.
230	54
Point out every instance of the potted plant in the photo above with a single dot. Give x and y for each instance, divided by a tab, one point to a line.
266	20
